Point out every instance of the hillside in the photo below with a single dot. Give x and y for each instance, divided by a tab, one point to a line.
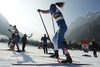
85	30
4	26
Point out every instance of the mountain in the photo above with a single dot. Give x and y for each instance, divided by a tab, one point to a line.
86	27
4	26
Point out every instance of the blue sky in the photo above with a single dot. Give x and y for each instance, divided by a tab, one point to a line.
23	13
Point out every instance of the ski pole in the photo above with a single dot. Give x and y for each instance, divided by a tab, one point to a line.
10	28
45	28
53	23
10	36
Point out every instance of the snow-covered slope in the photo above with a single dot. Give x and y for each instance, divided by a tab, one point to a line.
34	55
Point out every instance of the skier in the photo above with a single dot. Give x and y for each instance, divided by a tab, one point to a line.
9	41
17	37
95	46
58	37
24	41
44	39
13	36
40	45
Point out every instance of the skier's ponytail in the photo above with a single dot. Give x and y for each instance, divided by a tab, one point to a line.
60	4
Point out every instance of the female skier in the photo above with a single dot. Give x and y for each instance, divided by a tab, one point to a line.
58	37
17	37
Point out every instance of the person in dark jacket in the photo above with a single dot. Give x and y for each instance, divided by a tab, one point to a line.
44	39
95	47
24	41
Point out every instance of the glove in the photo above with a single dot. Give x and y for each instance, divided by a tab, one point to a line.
39	10
48	37
10	25
9	30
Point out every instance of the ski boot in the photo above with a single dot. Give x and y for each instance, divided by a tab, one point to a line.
23	50
12	48
68	59
55	54
17	50
95	55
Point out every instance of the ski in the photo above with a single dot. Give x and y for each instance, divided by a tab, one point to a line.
50	64
49	57
6	50
20	51
86	55
54	58
13	50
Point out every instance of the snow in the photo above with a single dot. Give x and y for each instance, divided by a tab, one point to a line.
3	36
34	55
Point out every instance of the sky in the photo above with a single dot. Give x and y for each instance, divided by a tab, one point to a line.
23	14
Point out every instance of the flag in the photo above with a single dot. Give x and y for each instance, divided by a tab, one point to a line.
85	45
